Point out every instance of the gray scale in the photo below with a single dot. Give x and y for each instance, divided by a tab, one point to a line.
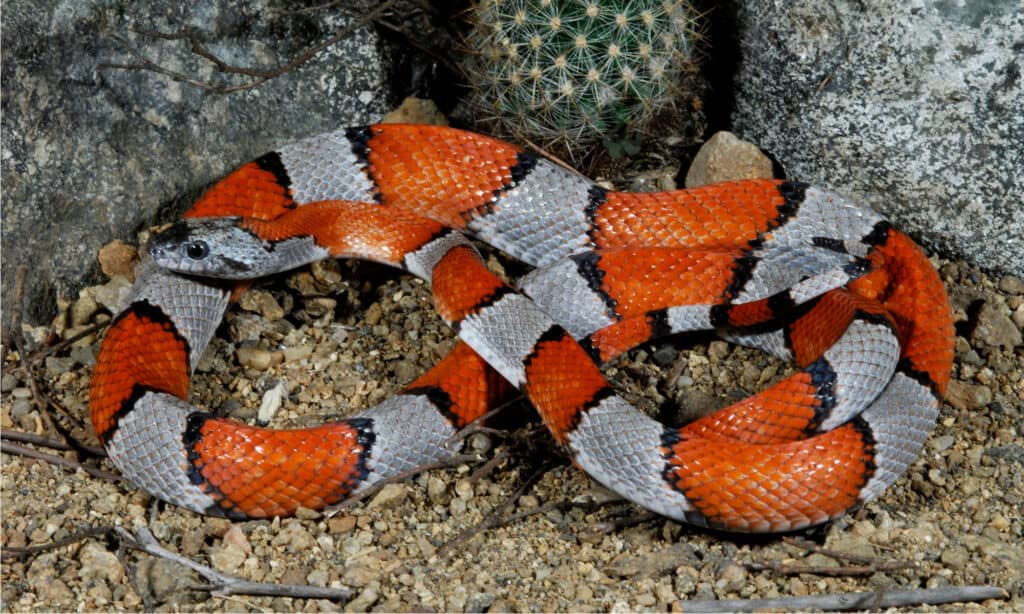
409	432
542	219
687	318
825	214
864	359
562	293
421	262
195	308
148	450
900	419
619	447
505	333
781	267
323	167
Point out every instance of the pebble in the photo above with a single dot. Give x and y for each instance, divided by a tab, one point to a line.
341	524
995	328
724	157
1011	284
654	563
263	303
391	495
117	258
962	395
258	358
98	562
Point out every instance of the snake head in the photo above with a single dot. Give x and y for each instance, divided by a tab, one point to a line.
211	247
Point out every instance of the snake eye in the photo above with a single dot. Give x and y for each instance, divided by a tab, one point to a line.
197	250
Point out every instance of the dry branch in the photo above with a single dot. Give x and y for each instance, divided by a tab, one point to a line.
873	600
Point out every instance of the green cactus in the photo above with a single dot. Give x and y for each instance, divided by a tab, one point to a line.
575	71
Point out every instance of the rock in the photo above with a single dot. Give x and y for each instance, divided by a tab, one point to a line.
727	158
1011	284
655	563
416	111
390	496
92	153
258	358
117	258
995	328
98	562
962	395
263	303
912	108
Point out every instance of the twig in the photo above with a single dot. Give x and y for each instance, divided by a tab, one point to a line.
874	600
19	297
57	347
260	76
9	447
221	584
39	440
827	570
495	519
485	469
617	524
20	553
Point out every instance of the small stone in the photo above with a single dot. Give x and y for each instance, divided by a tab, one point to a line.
718	350
995	328
390	496
228	558
479	443
98	562
653	564
940	444
955	557
664	356
305	513
437	490
114	293
1011	284
257	358
416	111
263	303
82	310
724	157
529	502
117	258
962	395
362	602
341	524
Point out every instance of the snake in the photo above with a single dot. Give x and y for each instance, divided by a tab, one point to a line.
784	267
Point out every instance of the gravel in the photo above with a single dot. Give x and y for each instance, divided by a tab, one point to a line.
344	336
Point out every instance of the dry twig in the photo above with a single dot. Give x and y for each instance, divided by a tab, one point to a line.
873	600
829	570
9	447
221	584
259	76
20	553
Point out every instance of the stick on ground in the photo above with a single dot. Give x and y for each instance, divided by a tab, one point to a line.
873	600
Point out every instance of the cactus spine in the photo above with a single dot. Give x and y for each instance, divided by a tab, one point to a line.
575	71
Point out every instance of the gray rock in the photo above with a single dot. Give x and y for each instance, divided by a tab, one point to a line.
914	108
90	154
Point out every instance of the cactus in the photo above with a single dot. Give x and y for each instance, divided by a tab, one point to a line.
575	71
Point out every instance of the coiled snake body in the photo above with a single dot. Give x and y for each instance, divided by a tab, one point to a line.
794	270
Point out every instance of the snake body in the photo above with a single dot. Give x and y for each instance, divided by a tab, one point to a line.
784	267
